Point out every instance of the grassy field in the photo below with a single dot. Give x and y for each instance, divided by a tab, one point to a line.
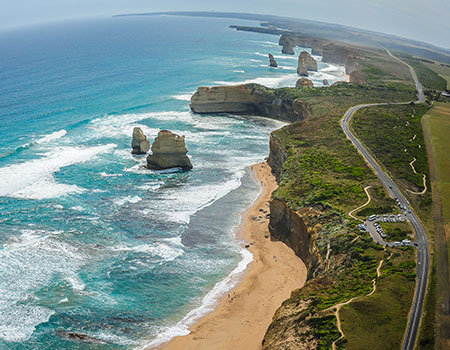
428	77
378	321
441	69
438	122
394	136
436	125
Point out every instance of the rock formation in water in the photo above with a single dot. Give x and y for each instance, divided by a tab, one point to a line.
301	69
140	144
304	82
272	61
325	82
288	44
168	151
309	61
249	99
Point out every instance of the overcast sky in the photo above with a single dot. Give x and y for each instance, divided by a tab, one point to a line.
427	21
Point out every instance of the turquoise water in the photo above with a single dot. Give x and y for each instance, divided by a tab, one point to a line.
90	241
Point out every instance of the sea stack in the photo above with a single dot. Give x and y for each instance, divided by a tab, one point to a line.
301	69
168	151
325	82
288	44
140	144
306	61
303	83
272	62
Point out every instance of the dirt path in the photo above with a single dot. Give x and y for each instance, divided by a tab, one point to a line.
411	164
340	305
366	189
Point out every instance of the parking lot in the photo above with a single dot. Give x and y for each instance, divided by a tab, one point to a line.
373	227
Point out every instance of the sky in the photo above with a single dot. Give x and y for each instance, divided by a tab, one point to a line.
427	21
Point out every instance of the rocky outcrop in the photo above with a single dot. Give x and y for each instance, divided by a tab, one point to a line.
325	82
288	226
168	151
356	77
288	44
272	62
139	144
351	63
302	70
248	99
303	82
308	61
334	53
277	156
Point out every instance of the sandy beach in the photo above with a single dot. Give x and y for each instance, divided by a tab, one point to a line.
242	317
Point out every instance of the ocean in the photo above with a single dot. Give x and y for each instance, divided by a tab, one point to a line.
91	242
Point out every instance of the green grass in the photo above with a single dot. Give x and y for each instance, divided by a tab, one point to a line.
388	131
396	231
378	321
441	69
438	121
429	78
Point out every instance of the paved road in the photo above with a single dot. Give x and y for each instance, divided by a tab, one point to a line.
423	254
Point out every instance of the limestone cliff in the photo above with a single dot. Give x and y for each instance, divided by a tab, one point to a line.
308	61
168	151
139	144
288	226
288	44
277	156
303	82
248	99
272	62
335	53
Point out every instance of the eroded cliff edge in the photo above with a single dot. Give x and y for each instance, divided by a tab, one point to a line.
249	99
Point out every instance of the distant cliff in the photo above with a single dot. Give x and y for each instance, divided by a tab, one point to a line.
249	99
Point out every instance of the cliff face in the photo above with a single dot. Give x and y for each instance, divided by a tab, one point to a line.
277	156
287	226
332	53
248	99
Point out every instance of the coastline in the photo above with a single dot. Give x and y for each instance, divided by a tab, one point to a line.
241	318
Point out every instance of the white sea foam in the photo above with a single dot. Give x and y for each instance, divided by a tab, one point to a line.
53	136
110	175
128	199
167	249
238	71
33	179
183	97
208	303
22	271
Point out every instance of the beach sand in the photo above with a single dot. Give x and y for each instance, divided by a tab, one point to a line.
242	317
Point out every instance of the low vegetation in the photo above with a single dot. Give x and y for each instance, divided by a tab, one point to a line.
325	174
429	78
378	321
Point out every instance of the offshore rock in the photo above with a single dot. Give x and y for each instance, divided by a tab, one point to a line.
272	62
301	69
288	43
308	61
140	144
304	82
168	151
325	82
253	99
